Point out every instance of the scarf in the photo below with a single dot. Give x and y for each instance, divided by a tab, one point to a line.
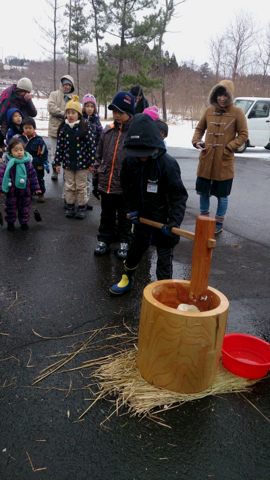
5	99
71	125
20	177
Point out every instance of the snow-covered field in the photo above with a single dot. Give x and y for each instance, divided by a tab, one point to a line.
180	132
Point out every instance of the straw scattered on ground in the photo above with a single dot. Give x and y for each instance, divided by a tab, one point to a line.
116	377
120	377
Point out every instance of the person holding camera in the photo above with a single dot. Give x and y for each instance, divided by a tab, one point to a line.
18	97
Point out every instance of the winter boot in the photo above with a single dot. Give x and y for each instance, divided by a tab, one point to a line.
41	198
122	251
126	281
101	249
89	207
219	224
81	212
10	227
70	211
24	226
205	214
54	174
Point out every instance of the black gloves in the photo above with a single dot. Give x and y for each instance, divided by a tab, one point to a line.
96	193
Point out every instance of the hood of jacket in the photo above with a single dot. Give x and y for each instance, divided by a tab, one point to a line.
68	77
10	113
229	88
144	133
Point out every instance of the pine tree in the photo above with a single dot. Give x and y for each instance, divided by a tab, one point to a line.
105	84
76	35
131	32
143	79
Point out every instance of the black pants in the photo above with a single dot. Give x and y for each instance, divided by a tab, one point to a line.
144	237
110	204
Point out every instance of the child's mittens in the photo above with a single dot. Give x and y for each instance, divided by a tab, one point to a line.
48	169
167	231
133	216
95	192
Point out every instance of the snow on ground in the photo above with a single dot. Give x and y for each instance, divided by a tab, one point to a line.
180	134
180	131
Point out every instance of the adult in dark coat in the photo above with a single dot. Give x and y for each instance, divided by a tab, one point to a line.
140	101
153	189
16	96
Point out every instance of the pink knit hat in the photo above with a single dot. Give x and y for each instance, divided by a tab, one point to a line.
89	98
152	112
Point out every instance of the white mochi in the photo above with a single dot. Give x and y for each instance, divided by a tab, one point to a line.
187	308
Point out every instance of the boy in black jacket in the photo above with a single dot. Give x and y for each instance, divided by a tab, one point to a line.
152	189
35	145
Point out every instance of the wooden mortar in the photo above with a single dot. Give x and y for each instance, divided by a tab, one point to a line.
178	350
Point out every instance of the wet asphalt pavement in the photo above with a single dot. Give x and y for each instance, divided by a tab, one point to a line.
52	284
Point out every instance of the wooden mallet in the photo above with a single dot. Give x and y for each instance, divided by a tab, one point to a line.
204	242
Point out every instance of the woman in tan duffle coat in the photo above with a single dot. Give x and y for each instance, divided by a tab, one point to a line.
226	130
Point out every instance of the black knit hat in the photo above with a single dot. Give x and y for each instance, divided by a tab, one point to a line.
124	102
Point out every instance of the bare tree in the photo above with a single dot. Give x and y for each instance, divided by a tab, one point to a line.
69	35
240	36
166	13
217	51
51	35
264	51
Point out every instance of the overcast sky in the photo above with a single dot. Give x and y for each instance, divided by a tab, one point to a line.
197	21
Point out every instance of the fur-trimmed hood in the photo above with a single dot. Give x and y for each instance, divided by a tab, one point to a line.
228	86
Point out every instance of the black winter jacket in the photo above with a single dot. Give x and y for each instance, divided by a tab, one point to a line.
36	147
153	187
73	152
141	105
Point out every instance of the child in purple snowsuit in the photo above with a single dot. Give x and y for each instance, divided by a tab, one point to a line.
18	181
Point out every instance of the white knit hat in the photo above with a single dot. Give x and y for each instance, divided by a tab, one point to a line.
25	84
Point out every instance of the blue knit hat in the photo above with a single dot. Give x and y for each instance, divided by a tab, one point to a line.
124	102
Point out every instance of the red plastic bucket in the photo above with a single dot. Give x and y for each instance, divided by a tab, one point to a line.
245	355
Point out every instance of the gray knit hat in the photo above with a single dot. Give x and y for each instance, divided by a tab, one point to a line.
25	84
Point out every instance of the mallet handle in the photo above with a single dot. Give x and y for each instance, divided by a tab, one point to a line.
211	243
